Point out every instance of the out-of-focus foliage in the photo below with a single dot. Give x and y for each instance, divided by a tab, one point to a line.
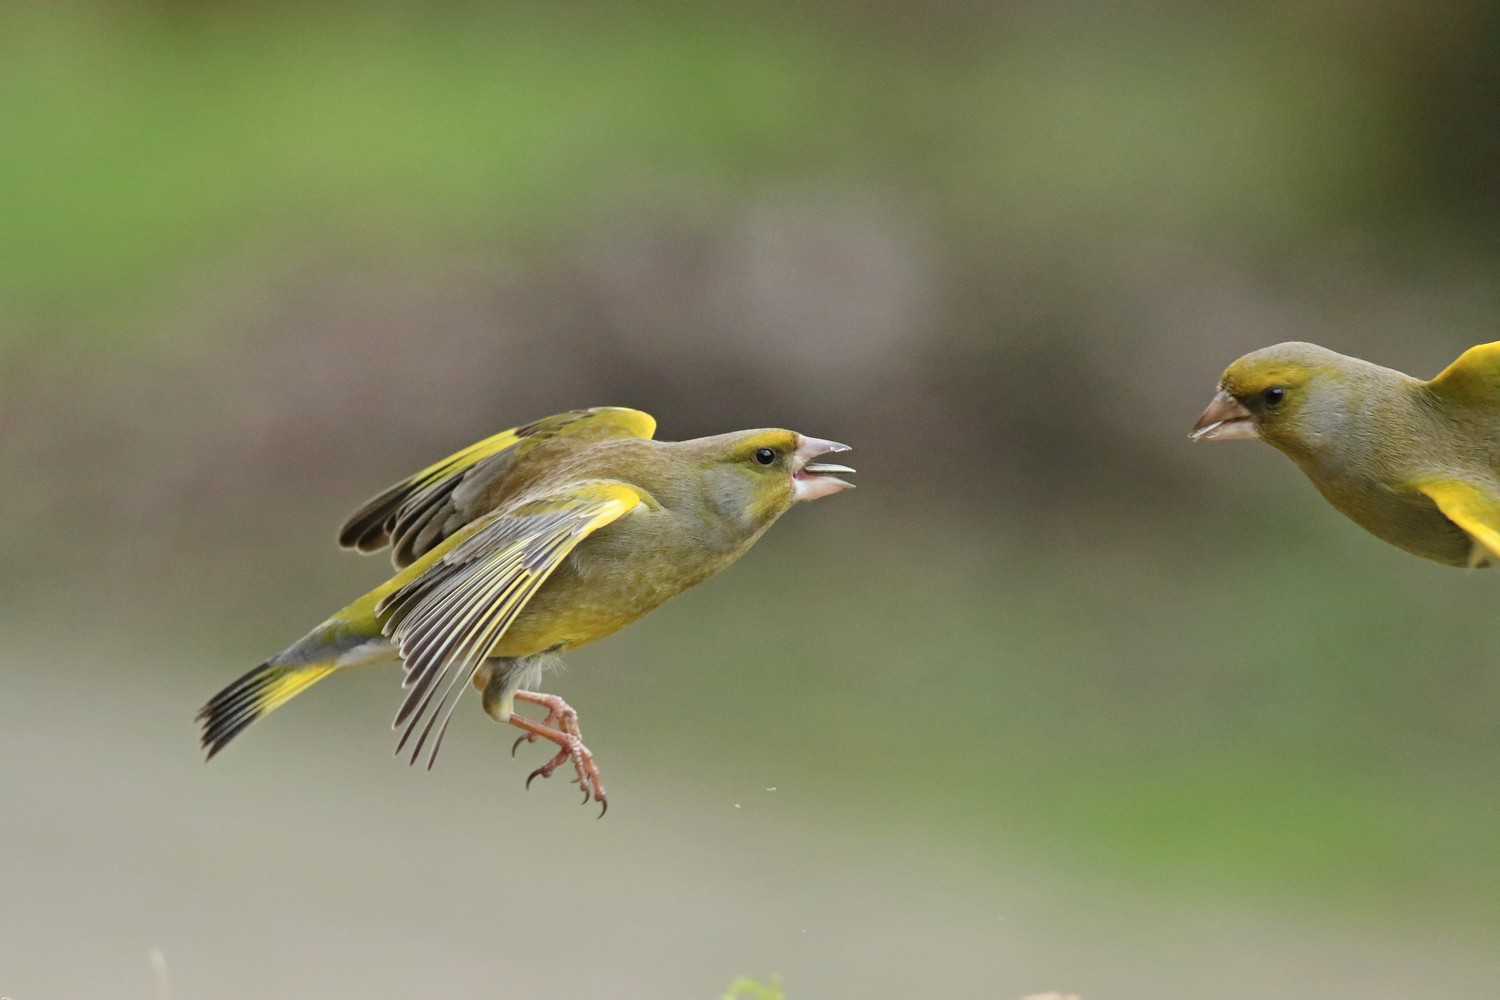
259	260
139	141
750	989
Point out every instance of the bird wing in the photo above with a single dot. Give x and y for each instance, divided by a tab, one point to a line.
452	608
416	514
1472	508
1473	378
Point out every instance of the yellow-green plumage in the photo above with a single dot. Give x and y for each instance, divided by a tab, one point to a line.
1416	463
533	542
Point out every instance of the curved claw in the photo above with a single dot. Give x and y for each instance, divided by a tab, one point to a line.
560	727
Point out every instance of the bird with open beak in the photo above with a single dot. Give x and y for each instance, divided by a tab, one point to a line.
1416	463
528	544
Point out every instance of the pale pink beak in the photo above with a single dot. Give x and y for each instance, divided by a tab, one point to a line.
810	479
1225	420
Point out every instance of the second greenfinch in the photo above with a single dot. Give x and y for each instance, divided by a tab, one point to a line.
1414	462
530	543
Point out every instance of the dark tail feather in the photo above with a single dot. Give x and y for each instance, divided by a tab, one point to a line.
258	693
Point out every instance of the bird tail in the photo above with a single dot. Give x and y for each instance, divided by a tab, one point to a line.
258	693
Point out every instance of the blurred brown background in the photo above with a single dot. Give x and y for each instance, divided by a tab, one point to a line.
1054	700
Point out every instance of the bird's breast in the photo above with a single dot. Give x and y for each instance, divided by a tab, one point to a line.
1405	519
612	579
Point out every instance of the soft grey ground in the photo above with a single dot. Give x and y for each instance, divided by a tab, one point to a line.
306	862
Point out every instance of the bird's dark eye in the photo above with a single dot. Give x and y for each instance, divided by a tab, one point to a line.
765	456
1273	396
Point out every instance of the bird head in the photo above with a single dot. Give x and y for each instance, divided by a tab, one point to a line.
761	473
1294	396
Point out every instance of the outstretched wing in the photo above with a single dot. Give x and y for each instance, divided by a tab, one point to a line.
447	617
416	514
1473	379
1472	508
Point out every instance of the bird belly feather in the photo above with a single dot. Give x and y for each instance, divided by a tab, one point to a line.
1407	520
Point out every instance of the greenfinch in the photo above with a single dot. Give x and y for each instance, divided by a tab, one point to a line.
530	543
1414	463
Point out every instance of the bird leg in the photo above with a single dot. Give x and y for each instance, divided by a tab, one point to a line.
560	727
560	715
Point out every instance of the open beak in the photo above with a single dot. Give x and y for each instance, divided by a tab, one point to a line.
810	479
1225	420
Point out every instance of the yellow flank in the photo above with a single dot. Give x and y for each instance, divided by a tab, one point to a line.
577	626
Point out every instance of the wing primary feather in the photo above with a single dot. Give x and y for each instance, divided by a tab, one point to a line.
447	620
423	661
435	618
411	725
428	643
412	610
471	650
414	717
419	512
443	729
466	657
458	679
413	510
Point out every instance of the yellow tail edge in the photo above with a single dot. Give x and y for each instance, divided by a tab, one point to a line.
258	693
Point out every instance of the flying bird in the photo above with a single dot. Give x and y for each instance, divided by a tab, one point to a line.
1415	463
525	545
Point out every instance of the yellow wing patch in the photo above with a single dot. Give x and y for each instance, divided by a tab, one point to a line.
451	609
416	514
1472	508
1473	378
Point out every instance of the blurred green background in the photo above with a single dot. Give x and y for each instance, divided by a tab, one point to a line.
1055	700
